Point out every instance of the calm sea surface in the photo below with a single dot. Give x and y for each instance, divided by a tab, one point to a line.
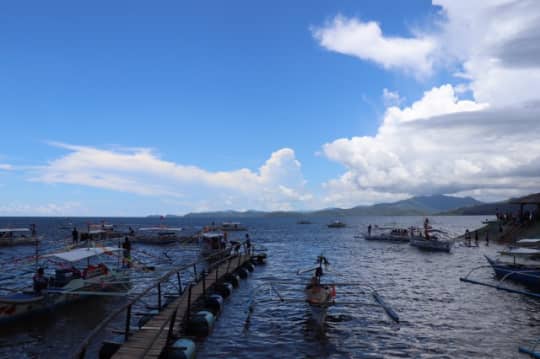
441	317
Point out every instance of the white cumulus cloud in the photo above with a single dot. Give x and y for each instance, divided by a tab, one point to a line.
366	41
278	183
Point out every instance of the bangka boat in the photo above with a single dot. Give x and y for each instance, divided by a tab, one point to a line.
390	235
303	221
68	283
214	244
524	268
432	244
17	236
232	226
158	235
337	224
320	296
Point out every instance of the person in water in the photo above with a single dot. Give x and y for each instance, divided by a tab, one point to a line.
39	281
476	238
369	230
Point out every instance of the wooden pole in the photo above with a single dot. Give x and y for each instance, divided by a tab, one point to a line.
179	283
159	296
128	322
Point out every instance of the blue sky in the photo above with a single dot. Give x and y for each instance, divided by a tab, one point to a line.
216	85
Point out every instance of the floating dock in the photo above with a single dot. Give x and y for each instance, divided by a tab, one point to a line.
156	334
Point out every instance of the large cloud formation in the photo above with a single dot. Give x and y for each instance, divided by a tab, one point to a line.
278	184
487	146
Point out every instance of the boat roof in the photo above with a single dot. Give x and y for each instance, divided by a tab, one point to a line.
529	241
77	254
161	229
210	235
96	231
230	223
521	252
14	230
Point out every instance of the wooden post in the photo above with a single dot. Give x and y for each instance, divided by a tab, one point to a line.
171	327
128	323
189	301
179	283
159	296
203	282
195	270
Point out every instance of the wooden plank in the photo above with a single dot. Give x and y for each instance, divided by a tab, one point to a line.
146	340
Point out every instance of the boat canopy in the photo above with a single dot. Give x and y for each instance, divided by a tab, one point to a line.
521	252
529	241
210	235
96	231
75	255
7	230
230	224
161	229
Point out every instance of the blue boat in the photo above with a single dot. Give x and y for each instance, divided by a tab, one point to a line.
528	274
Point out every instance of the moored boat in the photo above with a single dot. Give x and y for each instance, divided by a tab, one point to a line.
232	226
524	268
319	296
158	235
214	244
392	235
432	244
68	283
18	236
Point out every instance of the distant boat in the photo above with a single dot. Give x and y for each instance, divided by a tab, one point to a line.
337	224
391	235
17	236
232	226
158	235
303	221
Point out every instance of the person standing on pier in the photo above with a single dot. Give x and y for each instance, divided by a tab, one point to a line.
126	260
487	238
468	237
248	243
75	235
476	238
369	230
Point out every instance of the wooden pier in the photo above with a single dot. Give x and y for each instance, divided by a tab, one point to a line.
152	339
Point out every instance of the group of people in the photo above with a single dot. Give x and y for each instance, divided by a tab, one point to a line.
468	238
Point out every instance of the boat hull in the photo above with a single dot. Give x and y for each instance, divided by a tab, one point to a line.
387	238
431	244
527	275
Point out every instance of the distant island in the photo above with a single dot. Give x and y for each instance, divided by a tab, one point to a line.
415	206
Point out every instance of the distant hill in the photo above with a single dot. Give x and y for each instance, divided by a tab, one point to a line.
421	205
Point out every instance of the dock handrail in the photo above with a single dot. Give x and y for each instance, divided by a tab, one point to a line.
81	349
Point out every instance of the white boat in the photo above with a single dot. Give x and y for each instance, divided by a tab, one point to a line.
391	235
529	242
432	244
232	226
158	235
17	236
213	243
68	283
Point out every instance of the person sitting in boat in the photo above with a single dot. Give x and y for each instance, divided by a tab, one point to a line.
39	281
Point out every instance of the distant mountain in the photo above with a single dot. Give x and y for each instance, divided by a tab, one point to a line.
421	205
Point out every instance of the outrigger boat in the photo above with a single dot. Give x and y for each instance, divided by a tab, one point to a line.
337	224
232	226
158	235
321	296
214	244
430	241
67	285
390	235
18	236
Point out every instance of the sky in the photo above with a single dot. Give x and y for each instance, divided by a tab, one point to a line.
128	108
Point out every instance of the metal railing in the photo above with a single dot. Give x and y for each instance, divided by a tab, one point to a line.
80	352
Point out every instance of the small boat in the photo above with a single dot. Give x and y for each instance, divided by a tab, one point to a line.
525	267
528	242
68	284
431	244
214	244
158	235
337	224
319	296
392	235
18	236
303	221
232	226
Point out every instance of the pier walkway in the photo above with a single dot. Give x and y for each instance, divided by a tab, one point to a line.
150	341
